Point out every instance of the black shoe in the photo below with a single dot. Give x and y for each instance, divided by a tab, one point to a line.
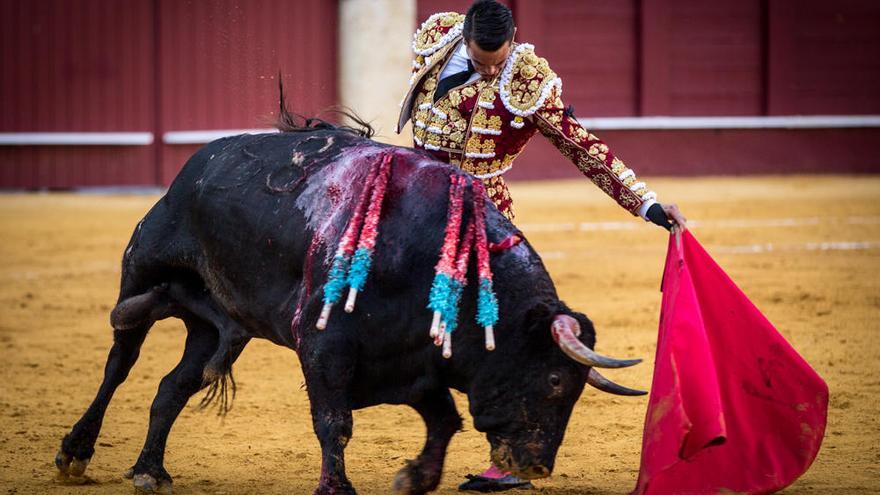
478	483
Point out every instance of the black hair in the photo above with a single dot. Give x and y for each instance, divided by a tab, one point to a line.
489	24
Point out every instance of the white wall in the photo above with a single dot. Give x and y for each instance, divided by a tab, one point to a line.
375	57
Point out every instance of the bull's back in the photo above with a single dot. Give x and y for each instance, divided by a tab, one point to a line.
237	199
262	214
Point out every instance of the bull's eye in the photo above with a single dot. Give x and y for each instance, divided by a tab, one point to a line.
555	380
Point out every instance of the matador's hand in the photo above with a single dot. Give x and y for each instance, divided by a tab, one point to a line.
667	216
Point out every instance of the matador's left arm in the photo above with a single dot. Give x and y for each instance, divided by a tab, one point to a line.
531	90
592	156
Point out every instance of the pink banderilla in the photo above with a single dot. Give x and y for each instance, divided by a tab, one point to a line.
360	265
342	260
439	296
487	302
460	277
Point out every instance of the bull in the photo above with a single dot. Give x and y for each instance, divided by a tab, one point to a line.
239	248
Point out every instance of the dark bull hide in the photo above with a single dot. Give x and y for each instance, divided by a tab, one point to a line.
240	247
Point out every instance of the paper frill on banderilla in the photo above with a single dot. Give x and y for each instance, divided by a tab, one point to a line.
452	267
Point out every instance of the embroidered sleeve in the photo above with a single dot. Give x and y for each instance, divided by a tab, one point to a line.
591	155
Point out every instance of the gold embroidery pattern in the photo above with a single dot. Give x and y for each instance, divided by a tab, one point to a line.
484	167
450	122
434	31
487	97
421	116
483	121
591	155
481	146
488	152
497	190
444	124
527	81
604	182
629	202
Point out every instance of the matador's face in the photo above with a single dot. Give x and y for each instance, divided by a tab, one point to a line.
487	64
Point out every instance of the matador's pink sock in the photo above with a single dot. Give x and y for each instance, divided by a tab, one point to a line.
493	473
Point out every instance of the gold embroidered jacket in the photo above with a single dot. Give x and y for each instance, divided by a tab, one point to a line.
483	125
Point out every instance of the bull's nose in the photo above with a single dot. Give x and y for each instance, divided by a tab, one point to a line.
539	472
535	449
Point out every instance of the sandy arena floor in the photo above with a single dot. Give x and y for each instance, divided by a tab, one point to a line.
805	249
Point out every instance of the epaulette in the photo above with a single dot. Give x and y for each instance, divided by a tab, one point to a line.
526	81
437	32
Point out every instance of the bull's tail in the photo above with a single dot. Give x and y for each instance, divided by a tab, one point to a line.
221	388
217	374
289	121
177	299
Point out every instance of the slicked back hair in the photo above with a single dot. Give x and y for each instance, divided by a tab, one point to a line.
489	24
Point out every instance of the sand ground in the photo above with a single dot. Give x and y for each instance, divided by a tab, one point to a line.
805	249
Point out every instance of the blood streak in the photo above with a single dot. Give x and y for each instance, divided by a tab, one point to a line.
334	194
306	288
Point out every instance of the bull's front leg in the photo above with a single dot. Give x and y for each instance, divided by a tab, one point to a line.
328	372
442	422
333	426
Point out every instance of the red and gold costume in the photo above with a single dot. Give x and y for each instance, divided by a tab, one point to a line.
483	125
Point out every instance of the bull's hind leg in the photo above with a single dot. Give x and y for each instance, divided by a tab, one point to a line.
175	390
78	446
442	421
131	325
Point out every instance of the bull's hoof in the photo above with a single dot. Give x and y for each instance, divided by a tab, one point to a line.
70	466
335	489
414	479
402	484
129	473
62	461
144	483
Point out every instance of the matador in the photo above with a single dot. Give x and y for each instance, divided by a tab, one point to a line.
483	122
475	100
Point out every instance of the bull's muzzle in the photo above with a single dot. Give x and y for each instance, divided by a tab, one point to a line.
503	457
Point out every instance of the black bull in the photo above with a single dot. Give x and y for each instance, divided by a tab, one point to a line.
239	248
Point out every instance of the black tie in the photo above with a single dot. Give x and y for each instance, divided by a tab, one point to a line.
452	81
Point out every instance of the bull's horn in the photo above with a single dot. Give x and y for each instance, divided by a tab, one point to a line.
597	380
564	330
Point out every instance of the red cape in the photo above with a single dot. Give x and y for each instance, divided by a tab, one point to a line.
733	407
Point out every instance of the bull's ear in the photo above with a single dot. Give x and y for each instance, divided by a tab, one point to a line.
588	331
539	313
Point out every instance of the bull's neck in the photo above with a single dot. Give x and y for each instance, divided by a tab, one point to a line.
521	284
